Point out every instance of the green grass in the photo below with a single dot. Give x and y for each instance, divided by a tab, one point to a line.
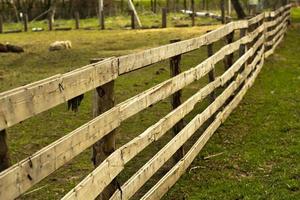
260	140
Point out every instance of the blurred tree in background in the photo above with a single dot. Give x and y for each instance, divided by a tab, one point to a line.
11	9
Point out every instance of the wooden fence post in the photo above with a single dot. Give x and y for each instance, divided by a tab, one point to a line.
289	18
212	73
176	99
1	24
193	12
211	77
164	18
132	19
223	17
77	20
25	20
102	23
229	7
229	58
101	14
4	155
243	48
184	5
103	100
154	6
50	25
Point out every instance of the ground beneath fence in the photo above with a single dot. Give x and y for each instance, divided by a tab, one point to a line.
256	153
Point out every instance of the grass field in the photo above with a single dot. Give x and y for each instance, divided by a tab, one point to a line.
260	142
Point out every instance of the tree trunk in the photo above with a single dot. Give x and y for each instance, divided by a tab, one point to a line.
13	5
238	9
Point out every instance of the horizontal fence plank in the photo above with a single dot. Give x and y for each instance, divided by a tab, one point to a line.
131	186
157	191
27	101
272	50
278	34
256	19
37	97
276	30
24	102
277	20
18	185
20	177
101	173
21	103
138	60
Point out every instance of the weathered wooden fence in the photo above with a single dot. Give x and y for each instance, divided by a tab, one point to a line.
258	39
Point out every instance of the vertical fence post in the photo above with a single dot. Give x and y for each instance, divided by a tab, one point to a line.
155	6
212	73
243	48
193	12
223	18
152	5
132	19
289	18
77	20
101	14
4	156
102	22
207	5
164	18
1	24
103	100
176	99
229	58
50	25
267	19
229	7
25	20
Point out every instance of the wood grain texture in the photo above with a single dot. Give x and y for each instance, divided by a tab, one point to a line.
140	178
142	59
21	103
137	145
24	102
157	191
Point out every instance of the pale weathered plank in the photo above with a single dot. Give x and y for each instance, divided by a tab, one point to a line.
277	20
157	191
24	102
125	110
278	27
21	103
25	174
256	19
140	178
271	51
278	34
130	150
138	60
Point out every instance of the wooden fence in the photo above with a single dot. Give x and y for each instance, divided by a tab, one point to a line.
258	38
